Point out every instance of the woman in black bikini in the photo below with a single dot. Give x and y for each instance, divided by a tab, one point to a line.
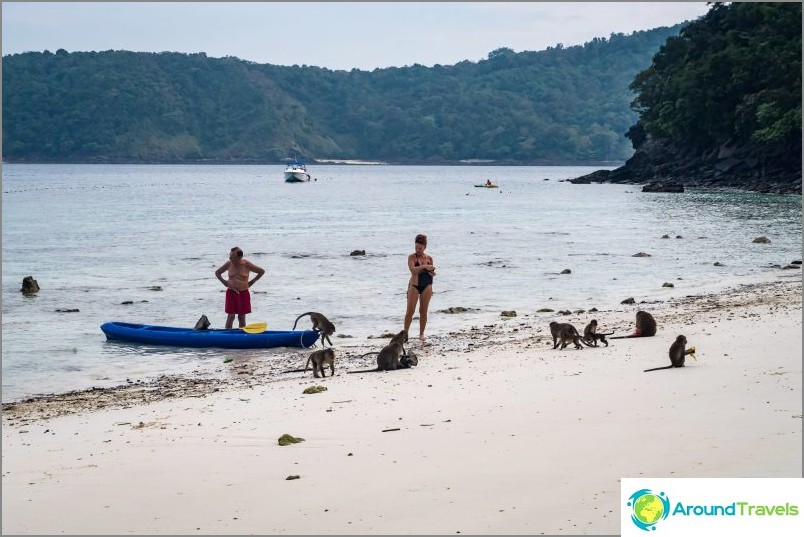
420	287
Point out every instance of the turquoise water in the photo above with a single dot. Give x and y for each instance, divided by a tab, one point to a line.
95	236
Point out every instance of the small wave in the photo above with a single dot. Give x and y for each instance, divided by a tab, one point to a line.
304	255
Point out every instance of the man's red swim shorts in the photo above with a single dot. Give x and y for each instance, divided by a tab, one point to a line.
238	302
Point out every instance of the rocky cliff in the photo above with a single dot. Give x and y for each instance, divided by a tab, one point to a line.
746	166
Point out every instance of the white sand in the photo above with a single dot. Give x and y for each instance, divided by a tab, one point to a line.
510	438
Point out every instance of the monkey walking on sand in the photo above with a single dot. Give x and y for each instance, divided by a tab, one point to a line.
592	336
645	326
565	333
677	354
319	359
320	323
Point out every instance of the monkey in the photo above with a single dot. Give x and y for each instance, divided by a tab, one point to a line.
645	326
677	354
600	337
566	333
591	335
388	358
321	324
320	358
408	360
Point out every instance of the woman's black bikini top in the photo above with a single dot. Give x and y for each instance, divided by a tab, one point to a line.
425	277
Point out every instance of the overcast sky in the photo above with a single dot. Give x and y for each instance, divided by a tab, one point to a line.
337	35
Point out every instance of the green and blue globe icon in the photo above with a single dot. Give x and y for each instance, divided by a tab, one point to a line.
648	508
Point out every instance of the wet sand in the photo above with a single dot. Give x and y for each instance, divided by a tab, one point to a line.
494	432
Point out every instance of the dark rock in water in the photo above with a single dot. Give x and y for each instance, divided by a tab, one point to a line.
663	187
566	271
126	302
61	310
629	300
797	262
792	267
762	240
29	286
156	288
665	236
456	309
719	264
508	313
641	254
358	252
667	284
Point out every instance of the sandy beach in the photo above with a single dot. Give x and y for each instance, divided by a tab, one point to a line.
494	432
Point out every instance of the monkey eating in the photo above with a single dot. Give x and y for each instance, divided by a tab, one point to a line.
320	323
565	333
388	359
645	326
592	336
677	354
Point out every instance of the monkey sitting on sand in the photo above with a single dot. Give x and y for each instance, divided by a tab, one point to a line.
408	360
645	326
389	356
677	354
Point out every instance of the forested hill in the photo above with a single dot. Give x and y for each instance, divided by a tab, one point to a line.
562	105
720	104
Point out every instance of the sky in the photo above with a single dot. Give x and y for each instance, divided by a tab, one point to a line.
336	35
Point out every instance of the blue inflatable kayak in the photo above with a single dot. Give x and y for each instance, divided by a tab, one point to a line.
224	339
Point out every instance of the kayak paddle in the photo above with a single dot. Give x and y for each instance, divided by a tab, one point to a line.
255	328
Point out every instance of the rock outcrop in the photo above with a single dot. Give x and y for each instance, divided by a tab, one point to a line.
747	166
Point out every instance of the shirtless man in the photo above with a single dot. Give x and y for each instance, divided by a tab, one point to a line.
238	299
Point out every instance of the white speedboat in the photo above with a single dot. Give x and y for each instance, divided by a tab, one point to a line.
296	172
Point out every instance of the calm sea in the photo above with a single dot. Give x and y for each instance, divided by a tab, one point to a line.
96	236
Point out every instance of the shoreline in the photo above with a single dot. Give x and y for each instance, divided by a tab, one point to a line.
493	432
248	373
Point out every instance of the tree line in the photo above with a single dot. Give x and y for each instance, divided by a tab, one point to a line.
562	105
732	77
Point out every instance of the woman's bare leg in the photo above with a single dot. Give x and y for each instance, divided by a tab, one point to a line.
413	297
230	320
424	303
